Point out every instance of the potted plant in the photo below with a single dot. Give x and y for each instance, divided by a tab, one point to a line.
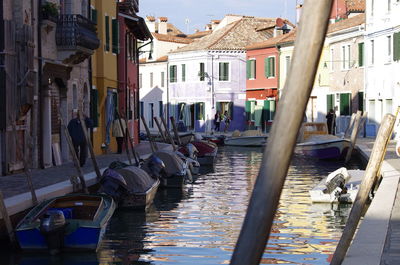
50	11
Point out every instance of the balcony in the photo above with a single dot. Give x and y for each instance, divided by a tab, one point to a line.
76	38
129	6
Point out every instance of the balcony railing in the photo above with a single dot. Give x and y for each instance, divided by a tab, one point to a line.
129	6
75	32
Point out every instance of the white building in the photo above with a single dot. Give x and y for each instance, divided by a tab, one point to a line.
153	85
382	50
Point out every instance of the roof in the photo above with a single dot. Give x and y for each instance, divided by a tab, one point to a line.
272	42
199	34
171	38
235	36
355	6
158	60
347	23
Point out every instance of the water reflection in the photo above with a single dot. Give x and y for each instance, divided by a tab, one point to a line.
200	223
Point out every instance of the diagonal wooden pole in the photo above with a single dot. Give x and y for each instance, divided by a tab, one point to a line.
178	139
160	129
134	153
6	218
124	135
153	146
277	156
168	133
354	135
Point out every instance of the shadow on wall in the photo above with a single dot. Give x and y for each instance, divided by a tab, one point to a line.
151	103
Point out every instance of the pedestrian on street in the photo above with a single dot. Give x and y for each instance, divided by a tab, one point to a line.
118	133
227	120
331	122
217	120
78	137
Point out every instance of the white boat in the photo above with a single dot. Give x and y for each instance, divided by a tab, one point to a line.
247	138
340	186
316	142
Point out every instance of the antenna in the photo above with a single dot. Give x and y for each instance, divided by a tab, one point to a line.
187	22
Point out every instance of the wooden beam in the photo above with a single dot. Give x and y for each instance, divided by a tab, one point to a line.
178	139
152	145
371	173
168	133
124	135
282	141
134	153
354	135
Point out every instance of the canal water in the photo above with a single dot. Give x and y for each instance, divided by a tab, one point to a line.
200	223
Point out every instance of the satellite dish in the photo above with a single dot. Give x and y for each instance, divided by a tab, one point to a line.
279	22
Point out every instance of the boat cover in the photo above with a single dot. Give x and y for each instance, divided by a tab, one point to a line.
173	164
136	179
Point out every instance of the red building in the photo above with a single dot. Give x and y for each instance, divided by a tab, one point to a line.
262	82
342	9
131	29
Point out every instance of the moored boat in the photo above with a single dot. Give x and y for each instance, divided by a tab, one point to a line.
250	138
70	222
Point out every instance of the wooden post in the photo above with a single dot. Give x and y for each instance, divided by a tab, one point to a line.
282	141
371	173
168	134
135	156
89	144
73	154
353	117
160	129
178	139
124	136
354	135
152	145
27	171
6	218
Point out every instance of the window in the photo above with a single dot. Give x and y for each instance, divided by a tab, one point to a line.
115	36
94	96
183	73
361	101
151	115
372	7
389	5
396	46
389	106
141	108
251	69
160	108
330	102
151	80
343	57
172	73
287	65
93	15
162	79
202	72
332	60
107	29
371	111
361	54
389	48
269	110
345	106
372	60
225	106
269	67
349	57
140	80
223	71
199	111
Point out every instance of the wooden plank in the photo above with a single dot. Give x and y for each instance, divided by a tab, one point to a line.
354	135
178	139
168	134
152	145
278	153
89	144
375	162
6	218
73	154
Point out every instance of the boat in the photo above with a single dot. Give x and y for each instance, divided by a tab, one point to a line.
70	222
206	151
251	138
130	186
216	139
315	141
340	186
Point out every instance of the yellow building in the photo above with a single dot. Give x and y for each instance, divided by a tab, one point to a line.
104	74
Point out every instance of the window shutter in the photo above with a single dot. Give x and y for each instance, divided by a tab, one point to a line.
396	46
267	110
345	104
329	102
361	101
94	96
115	36
266	67
272	66
361	54
172	74
183	73
94	16
107	29
248	109
248	69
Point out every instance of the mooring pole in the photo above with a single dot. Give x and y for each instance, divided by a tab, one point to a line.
124	135
281	143
152	144
353	117
178	139
6	218
354	135
168	133
160	129
135	155
90	146
371	173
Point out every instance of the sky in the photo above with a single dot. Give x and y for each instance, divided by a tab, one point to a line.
198	13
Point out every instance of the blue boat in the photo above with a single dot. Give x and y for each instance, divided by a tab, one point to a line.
70	222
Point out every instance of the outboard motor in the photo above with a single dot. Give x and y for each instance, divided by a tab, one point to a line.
52	227
113	184
192	151
155	166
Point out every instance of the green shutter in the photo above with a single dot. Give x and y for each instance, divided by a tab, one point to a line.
94	95
94	16
267	110
115	36
183	73
361	101
272	66
248	109
172	76
218	106
361	54
345	104
396	46
248	69
202	75
329	102
107	29
266	67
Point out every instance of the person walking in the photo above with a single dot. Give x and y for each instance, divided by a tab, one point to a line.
227	121
78	137
217	120
118	132
331	122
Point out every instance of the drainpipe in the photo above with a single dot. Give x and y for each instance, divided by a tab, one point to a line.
168	103
37	103
2	83
90	76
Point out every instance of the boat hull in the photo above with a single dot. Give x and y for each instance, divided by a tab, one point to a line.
332	149
249	141
140	201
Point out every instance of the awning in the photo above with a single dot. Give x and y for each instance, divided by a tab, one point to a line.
137	26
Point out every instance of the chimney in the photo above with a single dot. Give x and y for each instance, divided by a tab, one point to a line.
277	31
151	23
162	25
298	13
214	24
